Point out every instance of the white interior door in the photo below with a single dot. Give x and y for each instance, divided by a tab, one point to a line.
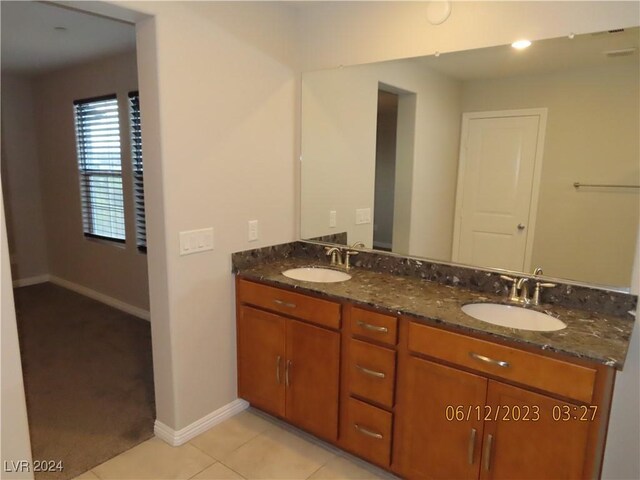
496	199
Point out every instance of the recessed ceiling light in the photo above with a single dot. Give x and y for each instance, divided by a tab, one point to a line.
520	44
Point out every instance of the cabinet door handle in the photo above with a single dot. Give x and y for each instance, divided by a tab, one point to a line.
278	369
287	374
472	445
373	328
284	304
487	453
370	372
482	358
367	432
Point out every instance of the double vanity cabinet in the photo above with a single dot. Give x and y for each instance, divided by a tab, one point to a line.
417	398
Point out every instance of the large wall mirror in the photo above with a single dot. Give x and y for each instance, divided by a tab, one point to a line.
497	157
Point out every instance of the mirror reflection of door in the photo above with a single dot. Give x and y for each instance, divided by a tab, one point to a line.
385	177
498	177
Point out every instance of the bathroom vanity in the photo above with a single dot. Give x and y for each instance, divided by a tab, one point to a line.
389	368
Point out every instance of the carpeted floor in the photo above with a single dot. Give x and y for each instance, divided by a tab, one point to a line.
88	378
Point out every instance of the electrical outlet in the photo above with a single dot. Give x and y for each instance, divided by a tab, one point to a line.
253	230
333	219
195	241
363	215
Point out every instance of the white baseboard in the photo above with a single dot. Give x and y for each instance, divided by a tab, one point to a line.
25	282
176	438
101	297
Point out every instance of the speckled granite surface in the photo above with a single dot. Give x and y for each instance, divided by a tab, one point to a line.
591	335
485	281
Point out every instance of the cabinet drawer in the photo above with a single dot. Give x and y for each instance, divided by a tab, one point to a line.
372	372
375	326
367	432
321	312
538	371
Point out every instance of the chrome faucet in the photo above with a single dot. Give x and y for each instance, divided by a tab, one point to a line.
519	292
357	245
336	255
521	285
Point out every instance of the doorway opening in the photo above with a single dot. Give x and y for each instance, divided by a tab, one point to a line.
73	192
393	192
385	172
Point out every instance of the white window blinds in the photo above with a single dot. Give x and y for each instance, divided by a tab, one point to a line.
138	174
100	167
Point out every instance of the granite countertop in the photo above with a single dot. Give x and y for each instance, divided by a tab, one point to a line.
597	337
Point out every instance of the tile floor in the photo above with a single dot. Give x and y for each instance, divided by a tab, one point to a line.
246	446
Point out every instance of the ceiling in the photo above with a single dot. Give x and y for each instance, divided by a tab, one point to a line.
31	44
544	56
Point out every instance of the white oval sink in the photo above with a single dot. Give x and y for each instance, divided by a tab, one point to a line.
513	317
316	274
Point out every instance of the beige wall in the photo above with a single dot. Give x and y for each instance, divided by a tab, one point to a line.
116	270
339	114
14	439
21	179
226	81
592	131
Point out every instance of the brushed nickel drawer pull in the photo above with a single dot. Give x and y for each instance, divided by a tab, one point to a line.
482	358
278	369
472	445
287	374
367	432
368	371
487	453
284	304
373	328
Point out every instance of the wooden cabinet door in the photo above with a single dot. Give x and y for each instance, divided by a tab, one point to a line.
312	376
261	359
533	449
431	444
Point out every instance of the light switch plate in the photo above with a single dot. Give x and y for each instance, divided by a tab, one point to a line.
253	230
333	218
195	241
363	215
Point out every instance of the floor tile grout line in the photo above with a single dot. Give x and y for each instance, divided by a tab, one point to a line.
208	466
201	450
316	470
230	452
241	476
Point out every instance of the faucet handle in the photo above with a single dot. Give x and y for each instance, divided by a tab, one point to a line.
539	286
336	257
513	293
347	255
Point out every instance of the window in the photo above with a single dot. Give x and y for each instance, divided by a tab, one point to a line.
100	167
138	180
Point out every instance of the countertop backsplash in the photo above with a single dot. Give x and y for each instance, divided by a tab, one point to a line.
484	281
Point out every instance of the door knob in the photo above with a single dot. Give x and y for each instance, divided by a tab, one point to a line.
521	226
